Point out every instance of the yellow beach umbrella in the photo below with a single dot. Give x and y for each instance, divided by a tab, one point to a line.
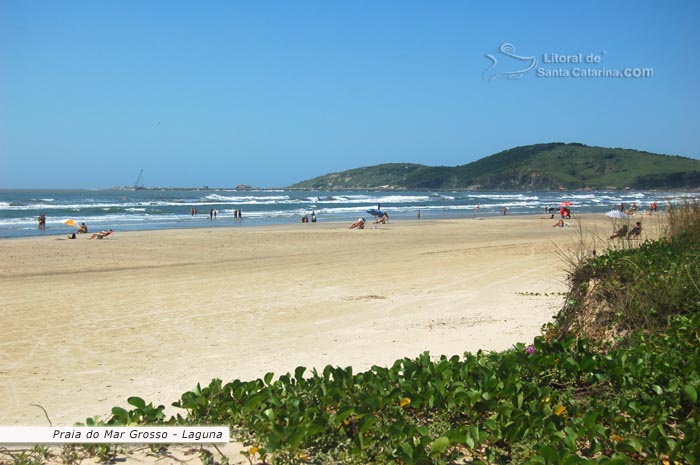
70	223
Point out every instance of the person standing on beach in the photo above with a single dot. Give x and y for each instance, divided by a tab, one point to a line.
418	215
505	210
42	221
313	216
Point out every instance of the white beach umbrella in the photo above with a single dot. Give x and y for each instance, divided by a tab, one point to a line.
616	214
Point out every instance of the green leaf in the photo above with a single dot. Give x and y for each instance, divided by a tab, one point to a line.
407	449
619	459
270	414
629	445
549	454
137	402
691	393
439	445
589	419
315	428
423	430
254	401
344	413
296	438
469	441
121	415
366	423
491	425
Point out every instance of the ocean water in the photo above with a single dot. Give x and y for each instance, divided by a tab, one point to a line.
171	208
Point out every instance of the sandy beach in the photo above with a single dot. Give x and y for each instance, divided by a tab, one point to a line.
88	323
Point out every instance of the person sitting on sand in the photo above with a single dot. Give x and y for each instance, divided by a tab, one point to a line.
560	223
359	224
83	228
622	232
636	231
384	219
101	234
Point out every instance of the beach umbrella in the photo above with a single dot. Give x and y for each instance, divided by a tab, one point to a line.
565	203
71	223
375	212
616	214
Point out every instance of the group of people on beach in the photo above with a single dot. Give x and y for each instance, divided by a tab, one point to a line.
624	231
564	213
213	213
305	218
83	229
653	208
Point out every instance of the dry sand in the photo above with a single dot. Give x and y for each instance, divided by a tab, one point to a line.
88	323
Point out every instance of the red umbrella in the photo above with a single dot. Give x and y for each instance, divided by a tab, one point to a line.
566	203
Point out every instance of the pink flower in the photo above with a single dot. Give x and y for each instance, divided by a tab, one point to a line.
530	349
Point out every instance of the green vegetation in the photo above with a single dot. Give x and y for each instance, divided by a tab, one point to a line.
540	166
637	289
626	394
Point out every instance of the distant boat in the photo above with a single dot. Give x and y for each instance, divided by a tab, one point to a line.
138	185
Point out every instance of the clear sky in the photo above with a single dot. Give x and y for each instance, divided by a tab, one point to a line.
271	93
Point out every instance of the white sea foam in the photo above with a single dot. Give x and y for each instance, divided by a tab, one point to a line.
246	198
160	209
504	196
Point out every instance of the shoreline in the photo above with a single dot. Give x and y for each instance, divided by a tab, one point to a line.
151	314
226	223
158	210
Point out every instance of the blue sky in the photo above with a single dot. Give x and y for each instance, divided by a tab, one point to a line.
271	93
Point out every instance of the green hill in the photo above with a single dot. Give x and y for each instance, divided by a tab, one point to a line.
539	166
